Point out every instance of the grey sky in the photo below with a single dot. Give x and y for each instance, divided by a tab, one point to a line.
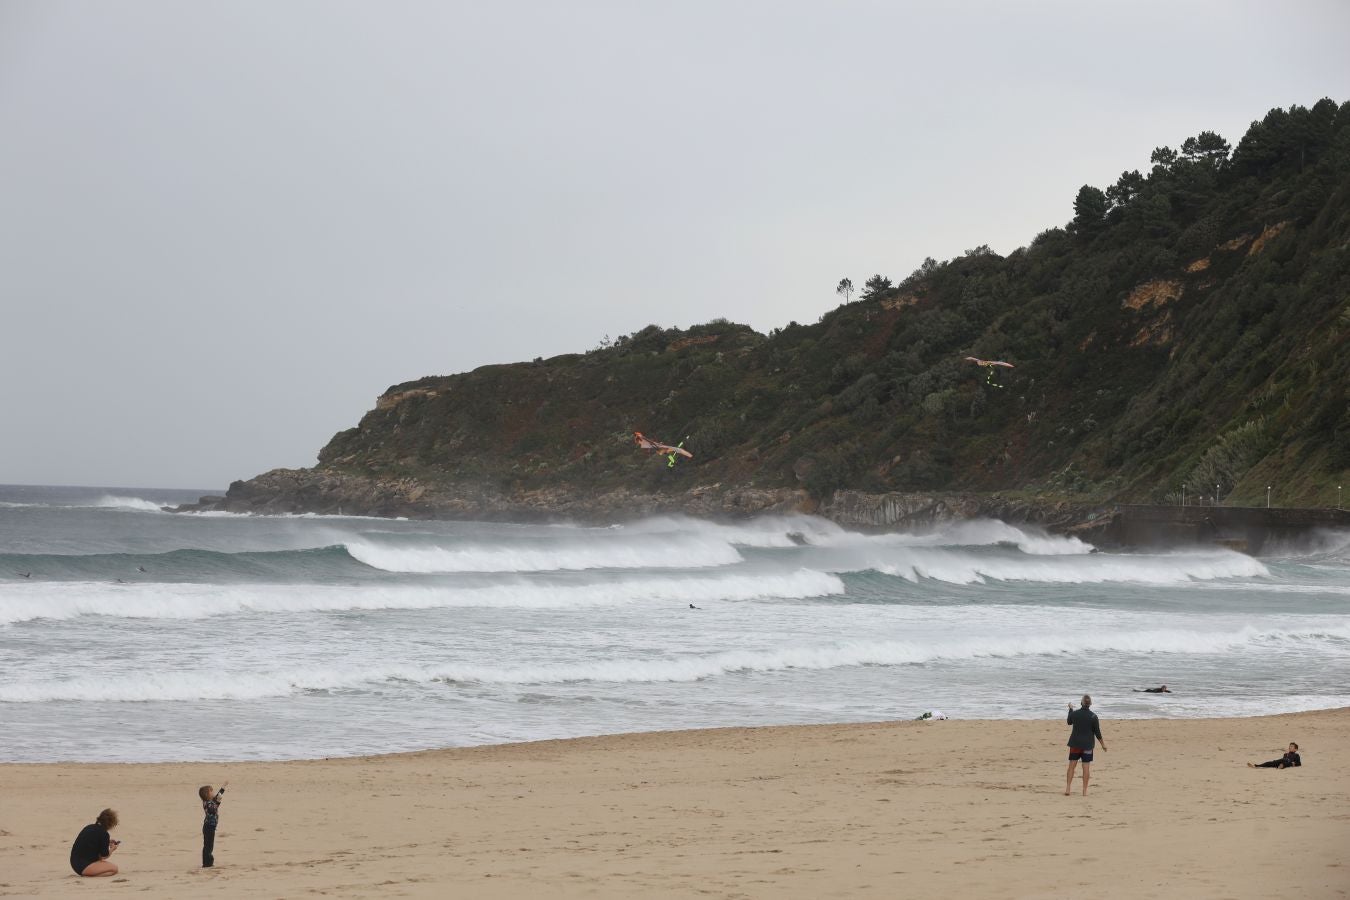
226	227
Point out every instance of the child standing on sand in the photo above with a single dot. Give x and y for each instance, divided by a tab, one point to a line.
210	806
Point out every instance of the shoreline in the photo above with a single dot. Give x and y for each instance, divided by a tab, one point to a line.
956	807
617	735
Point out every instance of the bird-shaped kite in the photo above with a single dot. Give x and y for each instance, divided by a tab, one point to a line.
666	450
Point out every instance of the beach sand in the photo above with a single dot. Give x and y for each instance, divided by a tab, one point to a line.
902	809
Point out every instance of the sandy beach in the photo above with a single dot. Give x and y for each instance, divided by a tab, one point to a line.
915	809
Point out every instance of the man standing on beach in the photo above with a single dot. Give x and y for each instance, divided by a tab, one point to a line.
1086	729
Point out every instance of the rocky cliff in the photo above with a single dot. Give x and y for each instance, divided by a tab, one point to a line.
1188	331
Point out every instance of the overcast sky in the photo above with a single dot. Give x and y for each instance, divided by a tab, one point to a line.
225	228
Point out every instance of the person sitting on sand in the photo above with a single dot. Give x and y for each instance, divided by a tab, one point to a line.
89	854
1289	760
1157	690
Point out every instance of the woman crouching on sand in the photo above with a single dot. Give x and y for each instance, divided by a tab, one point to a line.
89	854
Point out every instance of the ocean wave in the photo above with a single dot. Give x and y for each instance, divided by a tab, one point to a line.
107	501
958	567
185	565
971	533
184	686
768	532
28	602
111	501
888	653
1029	540
637	552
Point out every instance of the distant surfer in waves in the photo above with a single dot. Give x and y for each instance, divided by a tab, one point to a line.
24	574
1162	689
140	568
692	606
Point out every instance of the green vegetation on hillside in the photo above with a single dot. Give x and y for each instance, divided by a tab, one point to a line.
1188	326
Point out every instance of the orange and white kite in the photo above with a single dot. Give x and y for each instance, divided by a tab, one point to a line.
990	365
666	450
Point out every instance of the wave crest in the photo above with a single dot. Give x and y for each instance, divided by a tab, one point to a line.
23	603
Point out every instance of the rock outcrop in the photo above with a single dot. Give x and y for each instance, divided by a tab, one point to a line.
295	491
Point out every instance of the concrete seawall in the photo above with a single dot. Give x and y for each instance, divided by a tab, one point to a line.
1249	529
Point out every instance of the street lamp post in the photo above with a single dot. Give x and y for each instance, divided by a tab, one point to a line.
1216	495
1267	496
1183	495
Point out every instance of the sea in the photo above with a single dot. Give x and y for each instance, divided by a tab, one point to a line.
128	633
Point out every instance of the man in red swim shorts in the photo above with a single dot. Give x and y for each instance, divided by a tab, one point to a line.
1086	730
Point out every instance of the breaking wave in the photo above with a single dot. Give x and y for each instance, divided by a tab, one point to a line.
958	567
184	686
193	601
638	552
109	501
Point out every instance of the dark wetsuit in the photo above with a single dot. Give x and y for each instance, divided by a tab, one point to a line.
1288	761
91	845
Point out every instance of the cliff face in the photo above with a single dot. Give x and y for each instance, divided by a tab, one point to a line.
1192	329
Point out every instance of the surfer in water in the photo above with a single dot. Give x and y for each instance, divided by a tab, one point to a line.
692	606
1163	689
24	574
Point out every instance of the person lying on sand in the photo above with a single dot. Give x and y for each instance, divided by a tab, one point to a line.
1289	760
1157	690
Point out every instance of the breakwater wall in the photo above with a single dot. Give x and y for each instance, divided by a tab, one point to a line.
1249	529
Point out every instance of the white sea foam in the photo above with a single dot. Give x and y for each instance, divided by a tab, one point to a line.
762	531
959	567
67	600
510	650
893	653
182	686
110	501
640	552
973	533
1025	538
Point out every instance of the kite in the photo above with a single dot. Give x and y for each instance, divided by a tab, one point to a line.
990	364
666	450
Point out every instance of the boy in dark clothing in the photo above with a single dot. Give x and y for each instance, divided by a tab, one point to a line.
1086	730
210	806
1288	761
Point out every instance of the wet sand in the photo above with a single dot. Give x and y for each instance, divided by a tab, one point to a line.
906	809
